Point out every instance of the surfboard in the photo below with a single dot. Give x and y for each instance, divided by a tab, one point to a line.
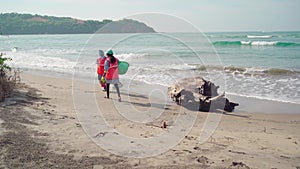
123	67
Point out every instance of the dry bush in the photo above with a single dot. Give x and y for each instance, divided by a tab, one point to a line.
8	81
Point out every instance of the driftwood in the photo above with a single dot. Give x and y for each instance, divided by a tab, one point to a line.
199	94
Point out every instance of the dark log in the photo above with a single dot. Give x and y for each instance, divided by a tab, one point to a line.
207	88
198	92
218	102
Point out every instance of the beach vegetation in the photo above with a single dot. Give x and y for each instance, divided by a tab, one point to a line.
3	66
8	78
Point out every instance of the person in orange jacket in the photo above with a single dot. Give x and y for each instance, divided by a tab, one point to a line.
111	73
100	68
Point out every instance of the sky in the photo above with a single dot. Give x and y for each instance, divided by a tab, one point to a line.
174	15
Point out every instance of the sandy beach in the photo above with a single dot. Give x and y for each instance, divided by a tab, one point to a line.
41	128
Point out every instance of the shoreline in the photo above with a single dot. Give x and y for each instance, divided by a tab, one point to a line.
256	105
247	104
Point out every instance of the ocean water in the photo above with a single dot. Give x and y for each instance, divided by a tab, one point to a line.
253	64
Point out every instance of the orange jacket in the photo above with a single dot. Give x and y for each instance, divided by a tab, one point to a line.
100	69
113	71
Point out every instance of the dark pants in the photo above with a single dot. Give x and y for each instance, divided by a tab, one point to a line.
107	89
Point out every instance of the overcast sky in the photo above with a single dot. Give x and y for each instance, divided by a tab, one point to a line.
206	15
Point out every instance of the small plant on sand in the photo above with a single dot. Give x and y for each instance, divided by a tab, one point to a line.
3	66
8	78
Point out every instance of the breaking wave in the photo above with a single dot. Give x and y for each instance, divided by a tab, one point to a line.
248	70
266	83
259	37
255	43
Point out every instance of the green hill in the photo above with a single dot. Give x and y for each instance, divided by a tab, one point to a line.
14	23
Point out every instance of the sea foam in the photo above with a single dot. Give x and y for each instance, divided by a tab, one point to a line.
259	37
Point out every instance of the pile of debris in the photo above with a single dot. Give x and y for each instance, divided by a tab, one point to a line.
200	92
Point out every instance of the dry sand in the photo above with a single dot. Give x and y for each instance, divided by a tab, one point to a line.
40	129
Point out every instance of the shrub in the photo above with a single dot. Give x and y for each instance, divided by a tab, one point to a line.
8	78
3	66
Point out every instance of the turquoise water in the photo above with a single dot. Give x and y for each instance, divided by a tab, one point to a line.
253	64
272	50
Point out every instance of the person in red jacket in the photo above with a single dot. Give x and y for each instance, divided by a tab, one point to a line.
100	68
111	73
